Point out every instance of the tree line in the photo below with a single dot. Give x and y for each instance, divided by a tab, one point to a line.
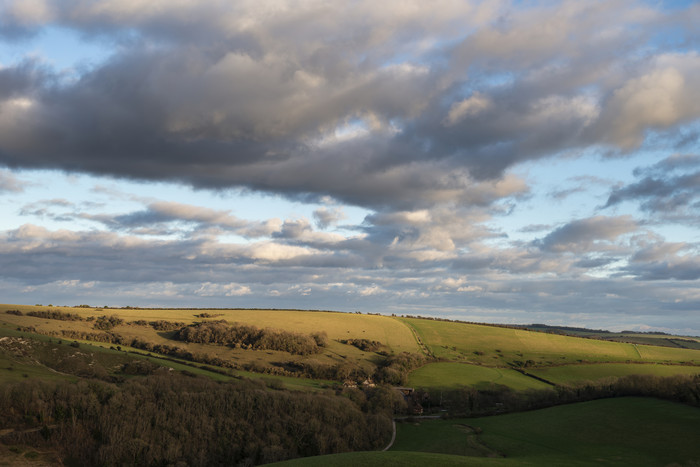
472	402
250	337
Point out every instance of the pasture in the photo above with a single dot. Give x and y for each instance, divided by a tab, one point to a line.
498	346
447	375
384	329
591	372
623	431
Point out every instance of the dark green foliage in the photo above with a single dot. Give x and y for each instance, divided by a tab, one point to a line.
163	325
106	337
365	345
14	312
246	336
311	368
139	367
55	314
395	368
469	401
170	419
105	323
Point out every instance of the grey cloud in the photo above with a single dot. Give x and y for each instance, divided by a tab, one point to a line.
326	217
222	95
160	213
668	190
665	261
587	234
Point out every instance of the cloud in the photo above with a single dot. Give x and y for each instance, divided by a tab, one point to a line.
209	289
10	184
663	96
233	95
667	190
589	234
326	217
470	106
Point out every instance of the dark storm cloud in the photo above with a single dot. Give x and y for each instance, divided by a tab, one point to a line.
400	111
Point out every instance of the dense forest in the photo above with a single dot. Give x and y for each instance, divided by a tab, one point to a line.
168	418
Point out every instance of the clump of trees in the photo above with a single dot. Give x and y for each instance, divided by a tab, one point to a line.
55	314
163	325
208	315
395	368
14	312
469	401
251	337
159	325
106	323
171	419
366	345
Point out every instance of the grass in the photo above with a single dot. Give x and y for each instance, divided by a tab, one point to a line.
396	336
446	375
392	459
472	354
570	373
625	431
337	325
497	346
15	368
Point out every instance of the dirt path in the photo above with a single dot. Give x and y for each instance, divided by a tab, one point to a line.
393	436
424	348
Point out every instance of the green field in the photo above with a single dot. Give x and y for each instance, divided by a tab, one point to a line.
498	346
626	431
393	459
570	373
446	375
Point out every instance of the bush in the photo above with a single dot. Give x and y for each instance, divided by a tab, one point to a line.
105	323
220	332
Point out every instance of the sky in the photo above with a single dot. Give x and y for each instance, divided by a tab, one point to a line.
489	161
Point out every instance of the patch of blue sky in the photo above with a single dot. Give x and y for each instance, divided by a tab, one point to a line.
567	189
62	49
63	195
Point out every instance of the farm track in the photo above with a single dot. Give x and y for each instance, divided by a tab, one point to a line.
424	348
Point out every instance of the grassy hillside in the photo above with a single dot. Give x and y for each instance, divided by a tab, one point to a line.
649	338
571	373
463	354
479	369
447	375
392	336
626	431
498	346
